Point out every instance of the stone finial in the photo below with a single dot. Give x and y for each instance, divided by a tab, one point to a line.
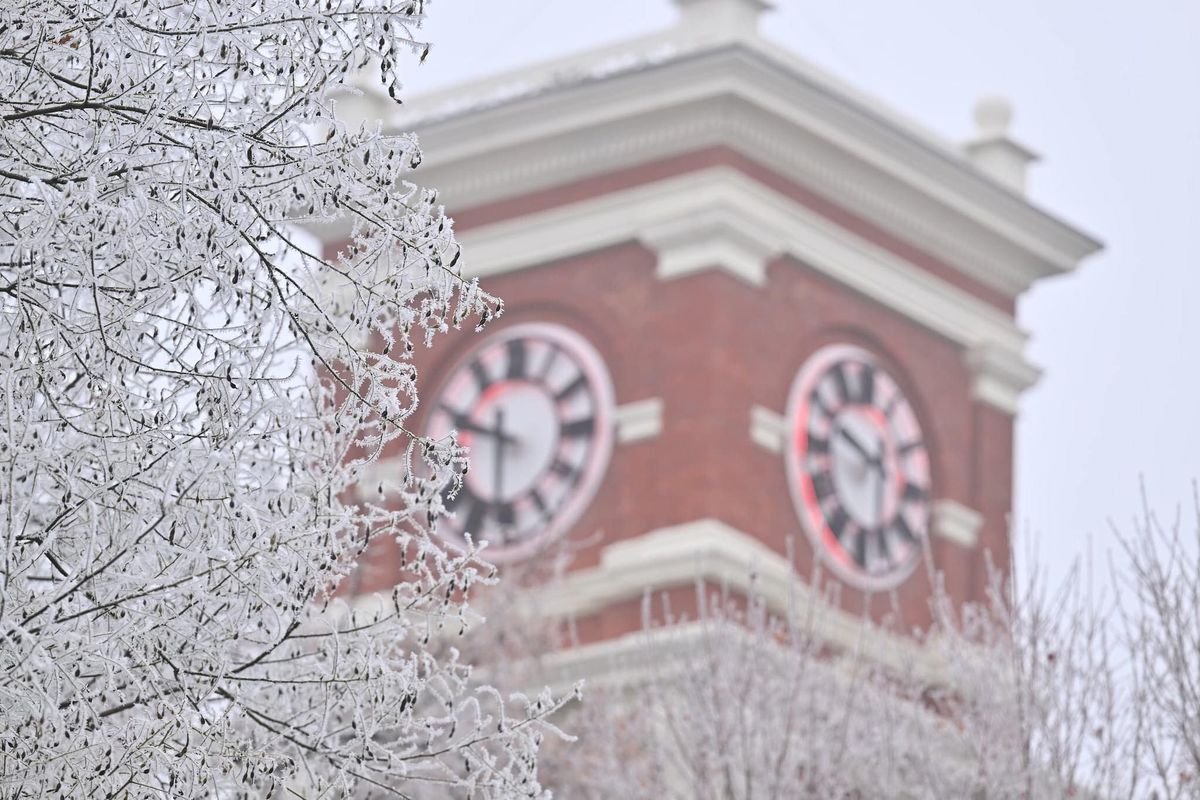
992	150
721	18
993	115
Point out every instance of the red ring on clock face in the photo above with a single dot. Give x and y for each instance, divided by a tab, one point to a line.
858	468
534	403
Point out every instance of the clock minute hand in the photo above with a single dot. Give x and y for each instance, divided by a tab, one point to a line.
499	431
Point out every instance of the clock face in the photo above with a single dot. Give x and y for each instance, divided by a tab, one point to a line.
534	404
858	468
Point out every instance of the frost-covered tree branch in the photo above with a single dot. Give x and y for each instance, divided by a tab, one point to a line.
187	392
1030	696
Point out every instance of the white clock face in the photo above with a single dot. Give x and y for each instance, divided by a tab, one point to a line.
858	468
534	404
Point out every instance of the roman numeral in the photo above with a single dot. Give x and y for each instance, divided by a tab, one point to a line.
913	493
839	380
548	363
817	445
475	517
564	469
822	484
900	526
892	404
818	400
882	545
571	388
516	358
866	389
482	379
837	522
579	427
453	502
860	547
505	514
538	502
461	420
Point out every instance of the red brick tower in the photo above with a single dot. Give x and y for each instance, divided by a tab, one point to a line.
745	305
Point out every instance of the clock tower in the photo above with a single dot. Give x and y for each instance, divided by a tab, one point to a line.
749	311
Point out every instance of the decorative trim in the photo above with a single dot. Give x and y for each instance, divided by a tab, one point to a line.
761	100
722	193
641	419
768	429
956	523
710	551
999	376
721	237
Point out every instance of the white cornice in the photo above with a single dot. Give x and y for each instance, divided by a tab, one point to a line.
999	376
760	100
727	199
724	238
709	551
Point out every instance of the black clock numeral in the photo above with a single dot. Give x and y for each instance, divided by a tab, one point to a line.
579	427
843	386
482	379
837	522
900	526
564	469
571	388
818	401
914	493
475	517
452	502
817	445
860	546
505	513
461	420
892	404
548	363
866	385
908	447
538	501
822	484
516	358
881	543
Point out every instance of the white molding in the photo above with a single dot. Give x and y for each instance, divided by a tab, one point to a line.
999	376
759	99
641	419
768	429
956	522
708	550
643	212
721	237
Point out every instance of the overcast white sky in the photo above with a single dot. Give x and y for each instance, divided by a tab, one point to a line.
1109	93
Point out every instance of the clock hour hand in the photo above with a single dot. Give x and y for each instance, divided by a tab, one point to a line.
462	422
873	459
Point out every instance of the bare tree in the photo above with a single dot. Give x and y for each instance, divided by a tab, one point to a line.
1161	612
188	389
1025	697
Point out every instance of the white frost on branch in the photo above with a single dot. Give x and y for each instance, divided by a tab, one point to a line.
187	390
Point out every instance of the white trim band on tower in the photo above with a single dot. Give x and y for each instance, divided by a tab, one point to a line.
709	551
726	199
